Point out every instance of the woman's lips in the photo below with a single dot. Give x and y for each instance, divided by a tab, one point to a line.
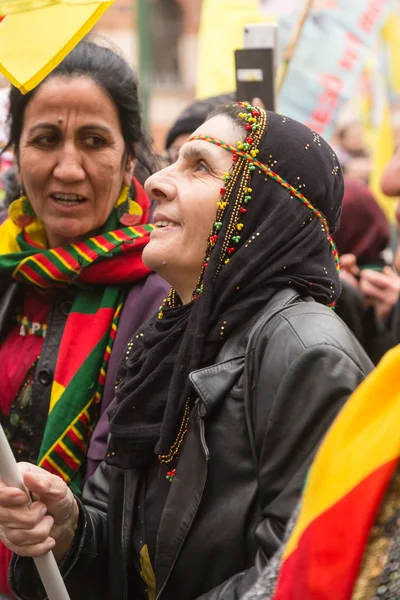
68	200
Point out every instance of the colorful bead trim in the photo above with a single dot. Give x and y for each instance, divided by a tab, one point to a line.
255	125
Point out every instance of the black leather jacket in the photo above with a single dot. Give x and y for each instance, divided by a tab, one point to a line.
262	409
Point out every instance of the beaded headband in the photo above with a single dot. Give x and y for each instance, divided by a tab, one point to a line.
247	151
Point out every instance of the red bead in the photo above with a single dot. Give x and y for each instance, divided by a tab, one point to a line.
213	238
255	113
234	157
222	191
205	265
231	250
249	140
243	210
249	127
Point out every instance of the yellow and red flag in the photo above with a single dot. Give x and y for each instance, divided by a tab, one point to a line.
35	35
344	491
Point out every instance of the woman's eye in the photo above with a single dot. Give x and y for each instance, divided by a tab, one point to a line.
202	166
46	141
95	141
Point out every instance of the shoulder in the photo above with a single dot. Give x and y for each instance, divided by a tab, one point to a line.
142	302
308	327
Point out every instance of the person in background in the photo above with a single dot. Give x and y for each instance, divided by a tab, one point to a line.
352	150
190	119
223	398
370	287
73	287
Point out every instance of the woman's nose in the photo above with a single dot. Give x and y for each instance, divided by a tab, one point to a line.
160	187
69	167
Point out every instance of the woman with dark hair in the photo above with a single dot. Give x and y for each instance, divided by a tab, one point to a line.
223	398
73	287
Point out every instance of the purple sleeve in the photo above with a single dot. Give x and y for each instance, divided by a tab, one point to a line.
142	302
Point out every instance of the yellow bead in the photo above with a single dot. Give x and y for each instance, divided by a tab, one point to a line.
239	226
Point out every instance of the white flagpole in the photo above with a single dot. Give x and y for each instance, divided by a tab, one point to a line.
46	564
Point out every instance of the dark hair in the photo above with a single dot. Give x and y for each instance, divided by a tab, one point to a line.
113	74
195	115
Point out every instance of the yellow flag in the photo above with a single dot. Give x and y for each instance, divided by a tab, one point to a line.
221	32
384	142
383	149
33	42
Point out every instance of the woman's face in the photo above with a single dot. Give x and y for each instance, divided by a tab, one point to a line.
186	194
72	160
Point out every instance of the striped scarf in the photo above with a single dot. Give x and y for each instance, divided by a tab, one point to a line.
98	268
344	492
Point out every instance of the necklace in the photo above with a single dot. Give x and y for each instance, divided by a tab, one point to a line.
177	445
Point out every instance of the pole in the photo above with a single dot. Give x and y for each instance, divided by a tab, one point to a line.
290	50
144	70
46	564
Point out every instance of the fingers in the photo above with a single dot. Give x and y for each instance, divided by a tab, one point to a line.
30	537
348	262
22	517
36	550
347	277
49	488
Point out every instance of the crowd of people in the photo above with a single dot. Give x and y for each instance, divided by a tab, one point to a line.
178	335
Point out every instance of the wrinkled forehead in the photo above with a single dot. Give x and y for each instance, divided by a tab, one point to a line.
222	128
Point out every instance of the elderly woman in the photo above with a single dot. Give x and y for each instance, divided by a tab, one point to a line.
72	282
223	398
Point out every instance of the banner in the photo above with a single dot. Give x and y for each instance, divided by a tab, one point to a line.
33	42
328	61
220	34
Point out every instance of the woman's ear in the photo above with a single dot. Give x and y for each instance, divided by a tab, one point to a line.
129	168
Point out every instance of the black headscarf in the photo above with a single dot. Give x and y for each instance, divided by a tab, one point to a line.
281	244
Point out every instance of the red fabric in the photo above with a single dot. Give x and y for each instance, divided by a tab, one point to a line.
17	352
5	557
364	228
326	562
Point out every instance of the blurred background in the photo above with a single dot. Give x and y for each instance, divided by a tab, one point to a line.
342	76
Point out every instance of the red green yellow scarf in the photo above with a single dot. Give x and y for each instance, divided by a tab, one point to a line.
98	268
346	486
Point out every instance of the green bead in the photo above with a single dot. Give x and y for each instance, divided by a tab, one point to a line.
218	225
236	239
252	168
246	199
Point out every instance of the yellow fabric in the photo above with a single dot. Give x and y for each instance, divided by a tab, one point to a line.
364	437
383	142
9	232
147	573
56	392
383	150
391	35
221	32
33	43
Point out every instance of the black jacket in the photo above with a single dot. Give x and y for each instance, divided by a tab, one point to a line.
261	411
